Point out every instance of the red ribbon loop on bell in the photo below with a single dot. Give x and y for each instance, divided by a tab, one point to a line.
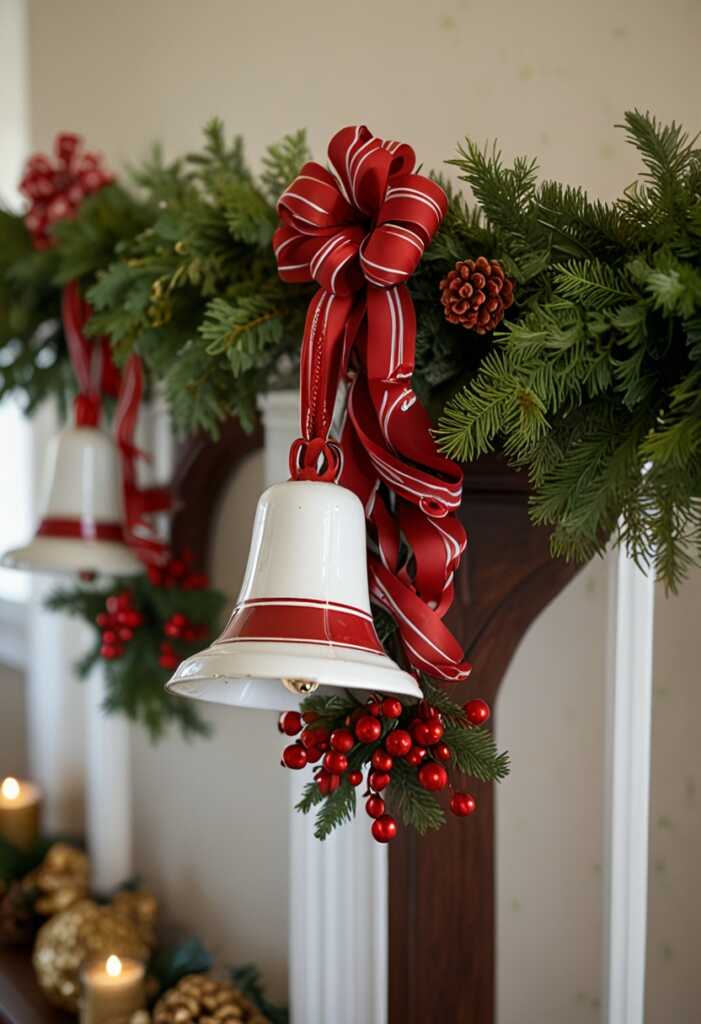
315	460
91	358
360	234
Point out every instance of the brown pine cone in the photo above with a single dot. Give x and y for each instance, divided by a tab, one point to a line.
476	293
199	999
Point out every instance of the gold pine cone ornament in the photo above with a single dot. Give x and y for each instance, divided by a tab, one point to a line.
199	999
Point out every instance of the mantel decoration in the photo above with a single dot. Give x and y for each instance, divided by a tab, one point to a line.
563	332
47	907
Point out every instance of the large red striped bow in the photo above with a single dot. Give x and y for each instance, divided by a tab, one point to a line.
360	235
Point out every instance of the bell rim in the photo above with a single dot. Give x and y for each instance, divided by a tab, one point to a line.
328	665
70	557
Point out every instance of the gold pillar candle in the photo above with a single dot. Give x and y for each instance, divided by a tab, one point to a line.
112	990
20	804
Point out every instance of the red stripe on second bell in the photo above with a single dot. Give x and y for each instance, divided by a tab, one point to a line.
290	622
80	529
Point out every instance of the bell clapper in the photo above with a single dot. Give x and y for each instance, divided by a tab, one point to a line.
301	687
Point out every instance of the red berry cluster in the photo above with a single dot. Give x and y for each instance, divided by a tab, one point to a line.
376	724
177	572
118	623
178	627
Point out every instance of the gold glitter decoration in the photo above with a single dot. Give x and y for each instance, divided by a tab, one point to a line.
199	999
84	931
61	879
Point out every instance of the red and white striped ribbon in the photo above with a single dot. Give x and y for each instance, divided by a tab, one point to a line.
360	235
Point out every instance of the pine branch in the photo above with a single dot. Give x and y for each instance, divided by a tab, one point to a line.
413	805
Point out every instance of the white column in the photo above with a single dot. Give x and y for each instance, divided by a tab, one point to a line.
55	697
629	723
108	789
338	888
109	780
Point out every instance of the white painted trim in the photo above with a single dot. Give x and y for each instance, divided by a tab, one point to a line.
338	936
13	633
629	724
338	966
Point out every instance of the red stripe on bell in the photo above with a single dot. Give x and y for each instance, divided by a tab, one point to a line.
80	529
299	621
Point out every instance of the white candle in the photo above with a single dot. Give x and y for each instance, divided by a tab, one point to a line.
112	990
20	803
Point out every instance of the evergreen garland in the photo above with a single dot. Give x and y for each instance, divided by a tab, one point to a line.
595	387
593	382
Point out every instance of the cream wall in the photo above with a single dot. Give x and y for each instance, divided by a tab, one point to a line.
549	79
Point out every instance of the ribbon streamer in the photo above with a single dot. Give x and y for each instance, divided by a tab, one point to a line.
360	235
139	503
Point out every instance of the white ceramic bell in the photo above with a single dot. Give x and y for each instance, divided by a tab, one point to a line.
302	620
82	528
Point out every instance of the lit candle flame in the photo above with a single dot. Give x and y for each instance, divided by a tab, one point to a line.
113	966
10	788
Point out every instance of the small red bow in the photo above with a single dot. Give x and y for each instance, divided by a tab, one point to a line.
57	190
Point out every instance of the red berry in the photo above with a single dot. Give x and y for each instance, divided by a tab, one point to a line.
169	661
126	634
477	711
420	733
109	638
108	651
382	761
310	716
171	630
316	738
435	729
398	743
178	619
368	729
342	740
176	567
378	780
433	776
113	604
441	751
103	620
415	756
391	707
123	600
384	829
375	708
155	576
290	722
375	806
427	711
462	804
355	778
132	618
335	763
314	754
328	783
294	756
